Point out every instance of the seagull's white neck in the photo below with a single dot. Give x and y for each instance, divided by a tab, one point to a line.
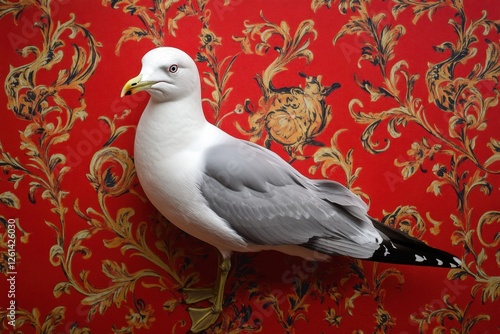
166	127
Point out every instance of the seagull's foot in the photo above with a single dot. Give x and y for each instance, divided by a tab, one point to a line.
202	318
196	295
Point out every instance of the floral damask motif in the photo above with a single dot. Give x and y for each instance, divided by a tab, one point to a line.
419	151
331	157
153	21
50	322
468	111
50	118
384	321
102	176
408	219
294	115
371	286
142	316
297	306
443	316
467	107
344	5
465	235
219	73
291	116
32	101
332	317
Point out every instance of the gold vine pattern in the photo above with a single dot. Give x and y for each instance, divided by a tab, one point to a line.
35	103
291	117
452	94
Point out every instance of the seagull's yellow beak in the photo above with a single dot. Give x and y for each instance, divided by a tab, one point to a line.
135	85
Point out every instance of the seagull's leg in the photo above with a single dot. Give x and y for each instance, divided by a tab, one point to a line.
202	318
194	295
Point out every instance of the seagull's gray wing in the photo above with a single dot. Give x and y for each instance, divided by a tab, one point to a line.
268	202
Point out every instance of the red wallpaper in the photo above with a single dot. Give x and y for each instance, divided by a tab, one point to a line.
413	129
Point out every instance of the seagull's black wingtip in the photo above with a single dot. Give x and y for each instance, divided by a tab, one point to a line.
400	248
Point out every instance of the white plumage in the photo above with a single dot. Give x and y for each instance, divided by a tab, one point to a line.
238	196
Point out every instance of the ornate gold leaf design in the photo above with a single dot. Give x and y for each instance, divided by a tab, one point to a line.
368	286
460	182
296	301
419	151
467	115
141	317
51	321
419	7
220	70
10	199
153	21
379	50
344	5
408	110
443	317
407	219
331	157
332	317
103	175
488	218
32	101
384	321
295	46
291	116
467	107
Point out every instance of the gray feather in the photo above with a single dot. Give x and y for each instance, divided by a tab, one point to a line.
268	202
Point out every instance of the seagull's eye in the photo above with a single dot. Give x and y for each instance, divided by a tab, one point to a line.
173	68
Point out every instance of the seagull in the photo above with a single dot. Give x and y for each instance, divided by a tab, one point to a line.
241	197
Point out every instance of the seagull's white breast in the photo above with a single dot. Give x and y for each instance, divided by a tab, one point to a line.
169	172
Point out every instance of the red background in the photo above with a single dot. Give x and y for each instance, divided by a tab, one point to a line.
80	271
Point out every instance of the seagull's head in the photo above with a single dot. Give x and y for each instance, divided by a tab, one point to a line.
167	74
